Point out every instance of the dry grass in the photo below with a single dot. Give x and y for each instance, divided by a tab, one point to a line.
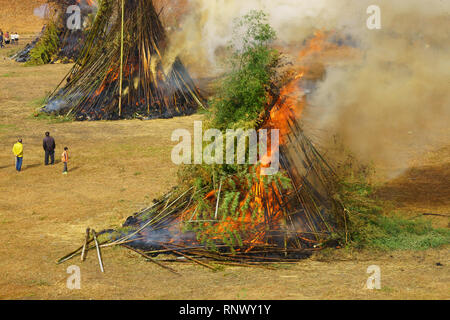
17	16
115	169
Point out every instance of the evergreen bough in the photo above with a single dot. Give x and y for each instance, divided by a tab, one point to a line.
47	46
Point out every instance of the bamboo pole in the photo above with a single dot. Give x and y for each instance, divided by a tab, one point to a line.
83	252
121	61
218	199
152	260
99	254
72	254
175	251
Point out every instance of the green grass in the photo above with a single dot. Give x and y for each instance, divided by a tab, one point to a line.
402	234
37	104
372	225
40	102
7	75
39	283
5	221
7	127
51	118
12	51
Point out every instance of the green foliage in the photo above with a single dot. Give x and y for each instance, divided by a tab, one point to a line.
241	97
46	47
370	228
233	207
242	92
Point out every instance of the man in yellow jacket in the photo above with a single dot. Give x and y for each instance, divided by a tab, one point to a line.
18	152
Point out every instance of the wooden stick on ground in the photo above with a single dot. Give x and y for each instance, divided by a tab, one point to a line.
83	252
72	254
99	254
436	214
190	258
152	260
247	265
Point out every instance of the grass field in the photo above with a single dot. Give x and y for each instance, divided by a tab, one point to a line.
17	16
116	168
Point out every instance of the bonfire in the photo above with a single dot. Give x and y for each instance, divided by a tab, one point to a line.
123	70
272	220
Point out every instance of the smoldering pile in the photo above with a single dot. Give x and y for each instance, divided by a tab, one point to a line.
116	78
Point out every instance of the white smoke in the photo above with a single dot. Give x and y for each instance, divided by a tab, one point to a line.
42	11
394	97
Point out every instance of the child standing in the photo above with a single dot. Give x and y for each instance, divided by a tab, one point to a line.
65	159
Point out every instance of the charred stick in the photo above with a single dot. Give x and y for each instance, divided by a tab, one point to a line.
190	258
83	252
247	265
152	260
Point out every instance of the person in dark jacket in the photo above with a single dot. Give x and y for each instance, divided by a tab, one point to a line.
49	146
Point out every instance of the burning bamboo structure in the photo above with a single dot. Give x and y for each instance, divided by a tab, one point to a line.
277	226
124	70
272	224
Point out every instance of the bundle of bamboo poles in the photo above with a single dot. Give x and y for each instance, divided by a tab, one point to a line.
120	72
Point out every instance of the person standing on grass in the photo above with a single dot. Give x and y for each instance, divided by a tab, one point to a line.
49	146
7	40
65	159
1	39
18	153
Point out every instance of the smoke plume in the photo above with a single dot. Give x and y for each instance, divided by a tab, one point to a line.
391	100
393	104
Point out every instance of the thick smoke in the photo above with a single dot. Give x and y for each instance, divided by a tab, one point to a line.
394	103
208	28
392	100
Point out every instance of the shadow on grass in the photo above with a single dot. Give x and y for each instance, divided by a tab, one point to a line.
31	166
419	185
